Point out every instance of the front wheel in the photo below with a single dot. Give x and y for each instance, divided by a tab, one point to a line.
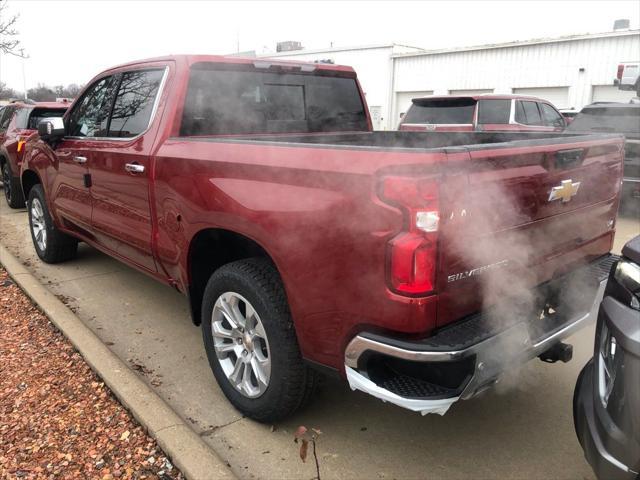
251	343
12	189
52	245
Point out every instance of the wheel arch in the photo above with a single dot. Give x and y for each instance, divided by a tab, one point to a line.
210	249
28	180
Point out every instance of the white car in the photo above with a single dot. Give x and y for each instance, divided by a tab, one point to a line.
628	77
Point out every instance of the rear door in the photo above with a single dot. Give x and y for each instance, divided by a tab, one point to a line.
120	168
520	213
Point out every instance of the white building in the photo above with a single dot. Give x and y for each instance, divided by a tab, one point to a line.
569	71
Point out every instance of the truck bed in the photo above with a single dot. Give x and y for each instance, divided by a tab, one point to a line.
414	140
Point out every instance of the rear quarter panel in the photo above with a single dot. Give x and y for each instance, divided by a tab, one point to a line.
314	210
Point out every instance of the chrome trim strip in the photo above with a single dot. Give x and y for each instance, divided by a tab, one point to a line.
156	103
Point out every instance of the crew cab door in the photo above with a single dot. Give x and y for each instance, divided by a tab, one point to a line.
120	168
86	124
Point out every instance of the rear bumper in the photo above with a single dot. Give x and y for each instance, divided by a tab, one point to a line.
463	359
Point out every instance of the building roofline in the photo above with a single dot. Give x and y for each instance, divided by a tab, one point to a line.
521	43
338	49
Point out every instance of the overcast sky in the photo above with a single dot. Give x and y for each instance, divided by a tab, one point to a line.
71	41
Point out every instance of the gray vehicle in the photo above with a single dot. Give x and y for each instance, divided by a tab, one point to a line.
617	118
606	404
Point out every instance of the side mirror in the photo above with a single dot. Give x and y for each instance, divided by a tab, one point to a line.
51	129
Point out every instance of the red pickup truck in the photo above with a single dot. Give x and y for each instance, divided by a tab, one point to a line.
418	266
18	120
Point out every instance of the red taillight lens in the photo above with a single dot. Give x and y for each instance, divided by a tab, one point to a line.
412	263
620	71
412	254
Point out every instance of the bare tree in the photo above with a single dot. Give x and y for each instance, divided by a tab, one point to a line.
6	92
9	42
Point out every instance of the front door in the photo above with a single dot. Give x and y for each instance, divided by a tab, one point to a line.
120	170
86	123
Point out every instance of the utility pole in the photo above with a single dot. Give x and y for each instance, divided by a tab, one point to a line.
24	77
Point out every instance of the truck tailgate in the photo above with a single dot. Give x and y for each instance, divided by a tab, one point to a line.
518	214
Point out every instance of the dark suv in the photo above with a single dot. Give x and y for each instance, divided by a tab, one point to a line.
606	403
609	117
17	122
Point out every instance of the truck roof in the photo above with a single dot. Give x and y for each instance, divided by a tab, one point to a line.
192	59
21	104
484	96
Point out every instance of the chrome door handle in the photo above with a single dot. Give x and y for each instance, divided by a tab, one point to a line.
134	167
80	160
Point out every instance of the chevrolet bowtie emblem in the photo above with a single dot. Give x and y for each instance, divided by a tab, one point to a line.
565	191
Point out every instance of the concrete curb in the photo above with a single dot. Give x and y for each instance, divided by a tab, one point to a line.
185	448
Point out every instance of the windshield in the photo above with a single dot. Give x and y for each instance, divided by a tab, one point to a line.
614	118
223	102
441	111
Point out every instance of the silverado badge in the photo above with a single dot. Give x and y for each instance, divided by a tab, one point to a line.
564	191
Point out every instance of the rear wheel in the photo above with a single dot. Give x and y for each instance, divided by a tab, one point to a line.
251	343
52	245
12	189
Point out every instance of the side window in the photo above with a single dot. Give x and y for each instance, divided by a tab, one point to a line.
551	117
90	116
494	111
520	116
134	103
5	117
527	113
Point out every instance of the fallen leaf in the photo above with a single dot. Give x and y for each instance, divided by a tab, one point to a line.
304	446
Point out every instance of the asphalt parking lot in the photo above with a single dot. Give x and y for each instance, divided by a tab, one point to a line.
521	429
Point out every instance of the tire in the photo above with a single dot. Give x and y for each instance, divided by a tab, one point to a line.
255	285
52	245
12	188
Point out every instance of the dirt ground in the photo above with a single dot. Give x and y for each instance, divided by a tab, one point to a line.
57	419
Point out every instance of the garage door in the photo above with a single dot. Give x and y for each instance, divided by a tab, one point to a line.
559	96
403	101
610	93
470	92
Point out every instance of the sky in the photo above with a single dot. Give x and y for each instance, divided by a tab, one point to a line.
71	41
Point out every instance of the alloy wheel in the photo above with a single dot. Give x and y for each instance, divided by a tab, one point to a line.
6	180
241	344
38	225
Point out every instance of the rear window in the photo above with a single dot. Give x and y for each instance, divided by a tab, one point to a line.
615	119
494	111
441	111
222	102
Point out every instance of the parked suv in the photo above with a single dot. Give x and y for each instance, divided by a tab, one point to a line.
610	117
17	122
606	403
482	113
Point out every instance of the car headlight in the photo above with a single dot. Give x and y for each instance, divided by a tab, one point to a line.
627	274
609	363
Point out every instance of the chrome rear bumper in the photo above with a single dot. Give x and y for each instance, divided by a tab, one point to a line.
488	354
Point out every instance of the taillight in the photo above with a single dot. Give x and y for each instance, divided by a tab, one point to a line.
620	71
412	254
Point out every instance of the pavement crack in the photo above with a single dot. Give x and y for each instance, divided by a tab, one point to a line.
210	431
